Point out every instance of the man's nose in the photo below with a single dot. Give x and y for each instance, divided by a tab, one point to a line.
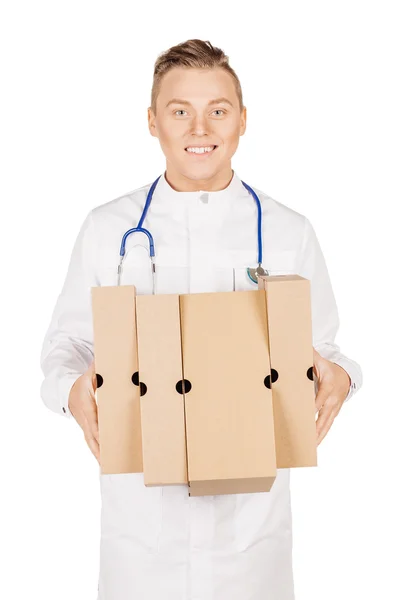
199	125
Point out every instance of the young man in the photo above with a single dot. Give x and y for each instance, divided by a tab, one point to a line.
159	542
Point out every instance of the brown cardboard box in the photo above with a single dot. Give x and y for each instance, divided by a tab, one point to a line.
116	363
162	405
291	351
229	417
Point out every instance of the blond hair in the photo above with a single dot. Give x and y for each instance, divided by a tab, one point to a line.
196	54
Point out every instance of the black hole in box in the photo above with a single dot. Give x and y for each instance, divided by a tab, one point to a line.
135	381
310	373
99	380
183	386
273	377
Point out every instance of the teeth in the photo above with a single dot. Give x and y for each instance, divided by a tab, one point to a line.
200	150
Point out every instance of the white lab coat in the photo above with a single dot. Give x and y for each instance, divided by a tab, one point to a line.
158	543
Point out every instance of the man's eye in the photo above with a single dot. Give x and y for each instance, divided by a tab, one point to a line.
181	110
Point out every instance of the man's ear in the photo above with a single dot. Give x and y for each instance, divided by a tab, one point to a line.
243	120
151	122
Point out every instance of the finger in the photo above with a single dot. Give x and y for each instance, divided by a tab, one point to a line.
322	397
94	446
91	418
94	380
91	388
325	414
91	369
91	373
94	431
326	428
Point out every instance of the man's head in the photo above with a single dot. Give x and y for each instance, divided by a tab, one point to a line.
196	101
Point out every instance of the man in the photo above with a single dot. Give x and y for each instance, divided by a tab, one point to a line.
159	542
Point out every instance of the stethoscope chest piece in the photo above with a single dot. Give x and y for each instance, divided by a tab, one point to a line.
254	274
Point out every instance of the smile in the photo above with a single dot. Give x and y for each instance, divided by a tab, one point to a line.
198	150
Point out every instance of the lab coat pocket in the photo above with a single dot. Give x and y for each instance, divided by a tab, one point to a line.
242	281
140	277
136	270
172	279
131	513
282	262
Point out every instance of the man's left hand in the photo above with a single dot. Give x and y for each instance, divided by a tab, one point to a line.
333	387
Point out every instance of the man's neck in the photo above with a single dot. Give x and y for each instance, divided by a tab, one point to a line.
180	183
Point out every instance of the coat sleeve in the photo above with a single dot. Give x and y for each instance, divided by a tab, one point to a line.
67	349
325	318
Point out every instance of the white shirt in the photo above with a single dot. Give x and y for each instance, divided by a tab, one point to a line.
159	542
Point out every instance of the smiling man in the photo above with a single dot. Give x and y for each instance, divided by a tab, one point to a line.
198	117
159	543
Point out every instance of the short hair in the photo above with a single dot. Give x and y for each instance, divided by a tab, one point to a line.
196	54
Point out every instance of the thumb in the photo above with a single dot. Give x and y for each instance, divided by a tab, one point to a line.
91	372
315	368
322	395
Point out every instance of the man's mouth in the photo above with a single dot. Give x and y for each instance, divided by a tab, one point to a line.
200	150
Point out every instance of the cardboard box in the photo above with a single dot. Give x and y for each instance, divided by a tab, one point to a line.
116	363
162	405
228	408
291	351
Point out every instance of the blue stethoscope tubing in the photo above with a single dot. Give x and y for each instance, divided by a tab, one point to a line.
252	273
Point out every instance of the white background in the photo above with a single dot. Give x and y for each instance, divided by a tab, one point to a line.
320	82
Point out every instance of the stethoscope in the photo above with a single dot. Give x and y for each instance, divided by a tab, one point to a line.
253	273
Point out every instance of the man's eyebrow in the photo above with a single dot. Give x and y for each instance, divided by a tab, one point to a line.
186	103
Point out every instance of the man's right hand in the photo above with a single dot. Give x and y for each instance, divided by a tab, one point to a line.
83	406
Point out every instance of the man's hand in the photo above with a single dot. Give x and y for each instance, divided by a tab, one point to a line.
82	404
333	387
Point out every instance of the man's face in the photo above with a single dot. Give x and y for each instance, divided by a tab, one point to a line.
188	116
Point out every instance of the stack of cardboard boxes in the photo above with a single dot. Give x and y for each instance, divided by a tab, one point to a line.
212	390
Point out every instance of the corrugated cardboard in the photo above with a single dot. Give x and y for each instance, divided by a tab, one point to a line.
291	352
162	406
229	416
116	361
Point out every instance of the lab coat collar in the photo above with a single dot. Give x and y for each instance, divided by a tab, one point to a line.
167	193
